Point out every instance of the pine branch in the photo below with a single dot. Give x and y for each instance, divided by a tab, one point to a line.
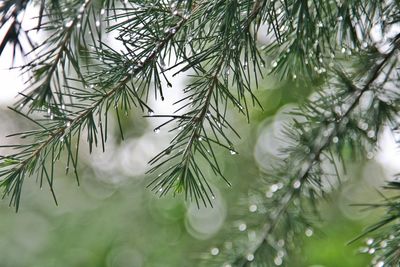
294	189
70	31
182	173
10	10
65	129
217	41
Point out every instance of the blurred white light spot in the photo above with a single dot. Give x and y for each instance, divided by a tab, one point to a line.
203	223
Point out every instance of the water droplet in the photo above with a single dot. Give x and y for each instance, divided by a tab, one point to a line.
362	125
281	243
242	227
250	257
364	44
369	241
82	8
294	76
69	23
186	15
253	208
52	117
157	130
102	11
296	184
371	251
370	155
68	124
227	70
214	251
233	152
383	244
48	111
335	140
278	261
160	190
340	18
273	188
371	134
162	64
150	112
274	64
309	232
380	264
97	23
269	194
343	50
281	254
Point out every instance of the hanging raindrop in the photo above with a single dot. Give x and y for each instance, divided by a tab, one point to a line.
250	257
296	184
369	241
371	134
309	232
278	261
69	23
242	227
214	251
162	64
253	208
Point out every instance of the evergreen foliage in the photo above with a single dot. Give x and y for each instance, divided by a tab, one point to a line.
77	80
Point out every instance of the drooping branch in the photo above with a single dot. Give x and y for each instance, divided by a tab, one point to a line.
327	138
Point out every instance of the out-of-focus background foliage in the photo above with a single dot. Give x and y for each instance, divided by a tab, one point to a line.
112	220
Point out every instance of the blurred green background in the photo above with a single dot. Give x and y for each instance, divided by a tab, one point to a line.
113	220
